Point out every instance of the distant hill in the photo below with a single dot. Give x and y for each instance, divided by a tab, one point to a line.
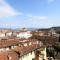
57	29
32	29
44	29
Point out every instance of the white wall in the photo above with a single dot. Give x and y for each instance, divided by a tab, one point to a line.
2	35
43	56
9	34
29	56
24	35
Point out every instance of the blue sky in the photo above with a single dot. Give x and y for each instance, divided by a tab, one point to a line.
29	13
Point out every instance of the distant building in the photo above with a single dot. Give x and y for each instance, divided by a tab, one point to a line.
9	33
2	35
5	33
41	33
52	32
24	33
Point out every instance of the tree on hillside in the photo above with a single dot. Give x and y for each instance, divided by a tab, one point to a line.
56	46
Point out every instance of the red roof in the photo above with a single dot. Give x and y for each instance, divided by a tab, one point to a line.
25	49
8	55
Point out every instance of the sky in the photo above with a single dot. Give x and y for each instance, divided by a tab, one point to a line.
29	13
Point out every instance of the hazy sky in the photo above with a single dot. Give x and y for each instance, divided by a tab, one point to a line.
29	13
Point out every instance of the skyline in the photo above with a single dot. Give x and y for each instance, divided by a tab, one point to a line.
29	13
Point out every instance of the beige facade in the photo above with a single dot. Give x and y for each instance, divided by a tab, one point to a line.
24	34
28	56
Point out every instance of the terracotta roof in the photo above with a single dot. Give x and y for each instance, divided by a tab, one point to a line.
11	42
13	54
25	49
6	43
17	51
8	55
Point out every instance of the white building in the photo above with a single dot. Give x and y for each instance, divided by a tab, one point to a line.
6	33
9	33
2	35
24	33
28	56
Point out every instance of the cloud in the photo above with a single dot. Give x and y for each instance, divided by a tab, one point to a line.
7	24
34	21
6	10
50	1
37	17
30	21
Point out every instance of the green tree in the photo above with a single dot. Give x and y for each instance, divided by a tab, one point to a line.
56	46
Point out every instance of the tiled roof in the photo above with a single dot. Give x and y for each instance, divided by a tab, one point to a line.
6	43
25	49
13	54
8	55
11	42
